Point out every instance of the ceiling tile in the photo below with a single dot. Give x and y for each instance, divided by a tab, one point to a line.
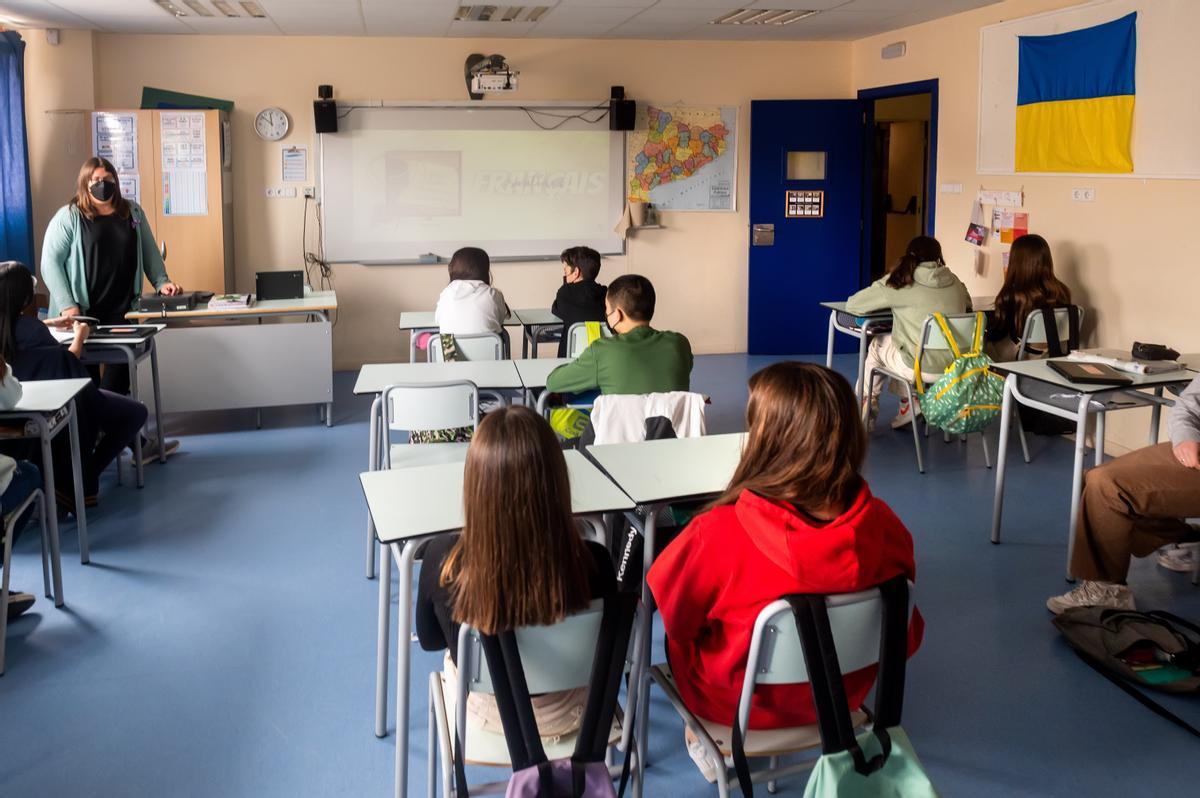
490	30
392	18
316	17
38	14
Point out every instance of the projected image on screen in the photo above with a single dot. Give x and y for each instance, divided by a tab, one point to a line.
422	184
391	193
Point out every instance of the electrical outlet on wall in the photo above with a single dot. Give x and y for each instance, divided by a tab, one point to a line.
310	192
1083	194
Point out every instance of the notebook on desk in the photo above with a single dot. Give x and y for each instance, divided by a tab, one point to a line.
1089	373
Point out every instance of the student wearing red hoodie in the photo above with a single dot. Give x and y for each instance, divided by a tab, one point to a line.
797	518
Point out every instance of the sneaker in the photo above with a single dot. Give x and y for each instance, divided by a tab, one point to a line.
1093	594
906	414
150	448
18	603
696	750
1180	557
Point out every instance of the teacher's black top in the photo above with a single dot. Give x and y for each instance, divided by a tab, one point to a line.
110	262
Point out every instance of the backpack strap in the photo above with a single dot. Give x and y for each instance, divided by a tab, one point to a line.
1141	697
1054	337
593	331
977	338
949	336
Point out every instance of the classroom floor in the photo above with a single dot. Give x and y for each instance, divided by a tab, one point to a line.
221	643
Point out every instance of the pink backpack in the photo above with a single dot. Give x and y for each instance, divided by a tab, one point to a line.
584	774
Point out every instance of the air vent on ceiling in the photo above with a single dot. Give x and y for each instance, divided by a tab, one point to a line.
225	9
761	16
236	9
200	9
500	13
254	9
171	8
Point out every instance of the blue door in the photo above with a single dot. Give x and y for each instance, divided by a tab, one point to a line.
806	210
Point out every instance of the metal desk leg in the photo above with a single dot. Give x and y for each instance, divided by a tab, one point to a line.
524	342
1077	478
862	362
77	477
642	707
158	422
138	462
1099	438
829	345
1006	412
51	509
381	641
372	465
412	346
329	414
1155	415
404	613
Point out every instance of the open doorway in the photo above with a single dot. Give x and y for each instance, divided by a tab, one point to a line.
900	173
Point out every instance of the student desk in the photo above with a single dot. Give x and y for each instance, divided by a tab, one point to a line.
101	349
229	359
373	378
653	474
534	374
1075	402
533	322
409	507
47	406
424	321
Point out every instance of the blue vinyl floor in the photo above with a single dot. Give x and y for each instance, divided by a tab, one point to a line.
221	643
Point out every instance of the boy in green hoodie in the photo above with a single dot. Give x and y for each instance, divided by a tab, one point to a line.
917	287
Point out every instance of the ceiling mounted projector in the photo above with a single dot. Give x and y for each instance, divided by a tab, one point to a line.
489	73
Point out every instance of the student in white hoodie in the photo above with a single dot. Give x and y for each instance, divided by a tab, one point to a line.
18	479
469	305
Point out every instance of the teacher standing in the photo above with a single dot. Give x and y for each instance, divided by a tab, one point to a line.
97	251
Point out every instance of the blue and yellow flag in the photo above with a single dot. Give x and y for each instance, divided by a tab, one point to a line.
1075	99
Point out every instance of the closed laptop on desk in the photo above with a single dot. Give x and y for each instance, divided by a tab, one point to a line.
279	285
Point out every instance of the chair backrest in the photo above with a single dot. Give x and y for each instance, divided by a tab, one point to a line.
483	346
577	337
626	418
562	659
436	405
1035	328
777	657
962	326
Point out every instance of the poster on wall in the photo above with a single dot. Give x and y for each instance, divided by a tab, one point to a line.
184	155
114	138
683	157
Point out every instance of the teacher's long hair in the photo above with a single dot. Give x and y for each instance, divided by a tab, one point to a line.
16	292
84	201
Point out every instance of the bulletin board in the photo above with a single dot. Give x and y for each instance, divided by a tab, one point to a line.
1166	122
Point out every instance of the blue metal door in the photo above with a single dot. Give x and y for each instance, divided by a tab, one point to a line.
806	210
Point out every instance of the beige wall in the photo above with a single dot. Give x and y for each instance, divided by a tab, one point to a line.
1127	256
698	262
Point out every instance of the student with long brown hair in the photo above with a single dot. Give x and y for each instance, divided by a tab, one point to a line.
797	517
920	284
519	561
1029	286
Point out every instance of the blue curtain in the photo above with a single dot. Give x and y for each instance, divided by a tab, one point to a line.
16	204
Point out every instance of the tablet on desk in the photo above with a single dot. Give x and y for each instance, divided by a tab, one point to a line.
1089	373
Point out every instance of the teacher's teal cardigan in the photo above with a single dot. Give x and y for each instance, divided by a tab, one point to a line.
63	268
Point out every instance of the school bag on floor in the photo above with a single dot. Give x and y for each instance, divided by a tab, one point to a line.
585	774
880	762
967	397
1154	650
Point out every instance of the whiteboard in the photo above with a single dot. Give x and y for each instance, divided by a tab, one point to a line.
402	183
1165	117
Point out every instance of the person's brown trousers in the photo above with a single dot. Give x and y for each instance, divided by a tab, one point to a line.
1130	507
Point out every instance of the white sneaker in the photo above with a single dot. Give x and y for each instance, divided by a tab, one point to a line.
695	749
906	414
1179	557
1093	594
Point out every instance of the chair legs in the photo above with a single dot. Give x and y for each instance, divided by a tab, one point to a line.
987	454
6	562
1021	434
915	432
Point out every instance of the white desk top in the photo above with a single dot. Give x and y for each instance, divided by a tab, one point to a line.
426	500
46	396
535	372
500	374
984	303
540	317
1040	371
679	468
66	336
424	320
311	302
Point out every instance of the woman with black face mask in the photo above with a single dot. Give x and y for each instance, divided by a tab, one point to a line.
98	250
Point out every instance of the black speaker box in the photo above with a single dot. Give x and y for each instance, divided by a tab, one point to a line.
621	114
325	116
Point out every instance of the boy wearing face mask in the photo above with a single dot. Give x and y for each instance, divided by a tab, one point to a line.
580	298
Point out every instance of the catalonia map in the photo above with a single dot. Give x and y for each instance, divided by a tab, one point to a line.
683	158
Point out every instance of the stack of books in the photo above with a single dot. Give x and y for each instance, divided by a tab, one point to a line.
229	302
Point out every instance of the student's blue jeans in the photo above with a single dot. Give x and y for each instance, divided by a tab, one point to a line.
25	480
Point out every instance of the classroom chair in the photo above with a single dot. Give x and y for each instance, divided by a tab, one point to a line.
777	656
581	651
1036	335
483	346
38	500
577	337
962	326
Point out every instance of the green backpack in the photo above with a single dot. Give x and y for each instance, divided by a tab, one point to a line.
967	397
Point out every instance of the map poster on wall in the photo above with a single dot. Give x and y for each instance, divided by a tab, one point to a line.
683	157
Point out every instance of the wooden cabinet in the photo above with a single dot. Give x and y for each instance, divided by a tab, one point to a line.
186	192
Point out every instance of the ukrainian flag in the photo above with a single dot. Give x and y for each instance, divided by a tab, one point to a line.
1075	99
